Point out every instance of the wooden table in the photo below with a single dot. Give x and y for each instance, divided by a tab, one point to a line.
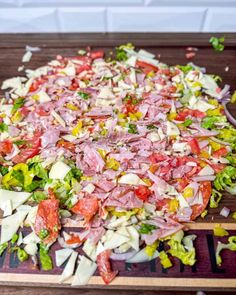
171	49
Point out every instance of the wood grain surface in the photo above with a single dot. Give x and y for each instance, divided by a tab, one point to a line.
170	48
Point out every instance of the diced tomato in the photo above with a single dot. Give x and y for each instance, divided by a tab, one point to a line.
73	240
47	218
142	192
165	169
30	149
81	68
163	203
5	147
147	68
218	167
24	111
220	152
182	183
206	190
87	207
36	84
51	194
97	54
104	267
181	116
129	108
155	158
41	112
67	145
194	146
193	171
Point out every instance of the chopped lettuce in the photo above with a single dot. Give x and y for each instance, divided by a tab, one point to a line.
217	43
28	177
185	252
221	246
38	196
209	122
121	54
185	68
225	178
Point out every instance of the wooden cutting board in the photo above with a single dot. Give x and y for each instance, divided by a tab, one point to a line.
171	48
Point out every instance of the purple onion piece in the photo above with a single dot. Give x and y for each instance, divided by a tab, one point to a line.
230	117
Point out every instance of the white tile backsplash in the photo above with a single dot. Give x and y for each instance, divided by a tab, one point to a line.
16	20
220	20
117	15
82	19
155	19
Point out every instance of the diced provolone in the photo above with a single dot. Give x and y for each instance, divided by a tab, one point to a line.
11	224
84	271
59	170
69	269
62	255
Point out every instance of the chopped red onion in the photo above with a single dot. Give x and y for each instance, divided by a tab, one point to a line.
225	212
228	114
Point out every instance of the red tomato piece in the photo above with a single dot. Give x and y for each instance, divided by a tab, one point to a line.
104	267
147	68
183	182
73	240
5	147
87	207
67	145
30	149
142	192
155	158
194	146
181	116
218	167
220	152
97	54
206	190
80	69
41	112
48	218
36	84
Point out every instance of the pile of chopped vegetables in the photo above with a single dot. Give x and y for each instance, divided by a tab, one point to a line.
127	149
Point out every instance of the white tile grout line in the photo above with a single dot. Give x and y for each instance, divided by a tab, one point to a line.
202	26
58	22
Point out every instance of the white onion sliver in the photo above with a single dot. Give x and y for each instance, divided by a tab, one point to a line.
123	256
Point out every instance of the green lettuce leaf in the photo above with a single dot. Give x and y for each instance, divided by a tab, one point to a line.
184	250
225	178
221	246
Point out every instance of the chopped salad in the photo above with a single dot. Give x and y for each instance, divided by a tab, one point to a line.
126	148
